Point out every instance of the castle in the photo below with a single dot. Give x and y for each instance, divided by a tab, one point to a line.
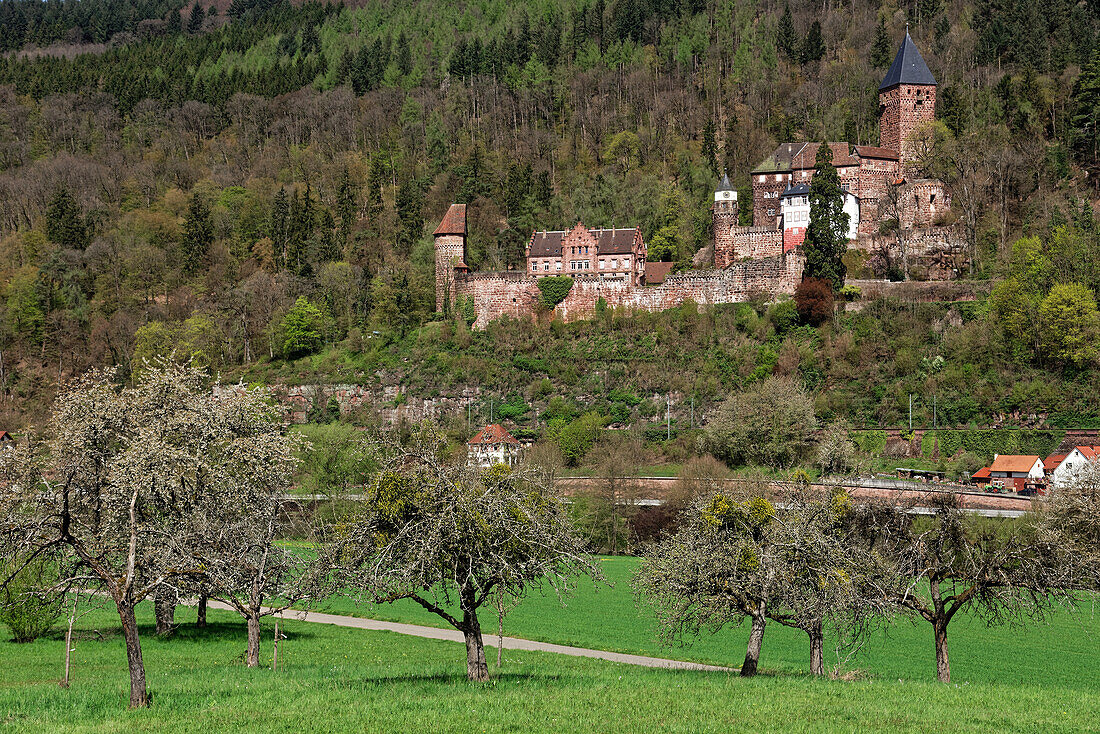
609	265
879	183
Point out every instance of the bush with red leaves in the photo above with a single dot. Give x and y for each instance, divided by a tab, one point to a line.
813	299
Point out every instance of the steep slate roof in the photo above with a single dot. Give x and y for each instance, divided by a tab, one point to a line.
608	242
493	434
801	189
454	221
1013	463
908	67
724	184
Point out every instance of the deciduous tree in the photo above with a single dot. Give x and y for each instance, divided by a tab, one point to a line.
439	532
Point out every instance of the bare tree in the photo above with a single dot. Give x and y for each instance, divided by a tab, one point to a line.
437	532
1006	572
742	559
116	479
714	571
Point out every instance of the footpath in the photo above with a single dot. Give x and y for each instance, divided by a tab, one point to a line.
509	643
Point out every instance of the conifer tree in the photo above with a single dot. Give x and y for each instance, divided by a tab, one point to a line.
347	196
279	225
827	234
64	223
813	45
1086	118
198	234
194	22
785	39
880	49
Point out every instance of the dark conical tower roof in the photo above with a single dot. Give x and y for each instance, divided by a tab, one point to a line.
908	67
724	184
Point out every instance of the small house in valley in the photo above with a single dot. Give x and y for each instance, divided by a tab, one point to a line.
1073	463
1018	473
493	444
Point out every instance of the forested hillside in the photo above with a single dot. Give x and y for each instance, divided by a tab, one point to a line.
256	184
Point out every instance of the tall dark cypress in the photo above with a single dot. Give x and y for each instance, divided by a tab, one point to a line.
827	234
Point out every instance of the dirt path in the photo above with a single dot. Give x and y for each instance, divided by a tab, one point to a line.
510	643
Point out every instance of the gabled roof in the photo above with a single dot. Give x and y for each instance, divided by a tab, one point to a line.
908	67
801	156
871	151
1013	463
1051	462
608	242
5	436
454	221
1089	452
493	434
982	473
801	189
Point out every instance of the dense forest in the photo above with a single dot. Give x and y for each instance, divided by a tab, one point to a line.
251	186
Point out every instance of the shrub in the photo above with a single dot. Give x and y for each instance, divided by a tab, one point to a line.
553	289
768	424
783	317
813	299
26	611
577	438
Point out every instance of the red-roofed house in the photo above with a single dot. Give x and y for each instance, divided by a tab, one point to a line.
493	445
981	476
1072	463
1017	471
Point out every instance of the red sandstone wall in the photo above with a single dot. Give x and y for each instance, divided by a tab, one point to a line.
515	294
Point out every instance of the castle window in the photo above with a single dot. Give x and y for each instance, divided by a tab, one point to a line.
534	266
931	198
557	265
771	212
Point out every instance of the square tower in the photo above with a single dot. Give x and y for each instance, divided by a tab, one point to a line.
907	99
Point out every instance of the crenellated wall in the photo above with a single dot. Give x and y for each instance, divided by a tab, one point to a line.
515	294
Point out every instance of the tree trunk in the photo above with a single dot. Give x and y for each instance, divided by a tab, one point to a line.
253	655
164	608
138	696
752	652
943	665
477	669
201	622
817	649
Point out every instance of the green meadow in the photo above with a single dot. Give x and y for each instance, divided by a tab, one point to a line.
1043	677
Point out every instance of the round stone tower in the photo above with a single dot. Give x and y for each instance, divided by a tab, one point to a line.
450	255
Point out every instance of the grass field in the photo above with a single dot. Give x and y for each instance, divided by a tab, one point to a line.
1064	651
1044	678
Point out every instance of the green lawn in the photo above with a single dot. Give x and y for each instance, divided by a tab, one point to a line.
1063	652
334	680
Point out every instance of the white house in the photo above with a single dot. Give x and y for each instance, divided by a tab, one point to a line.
1073	463
493	445
794	209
